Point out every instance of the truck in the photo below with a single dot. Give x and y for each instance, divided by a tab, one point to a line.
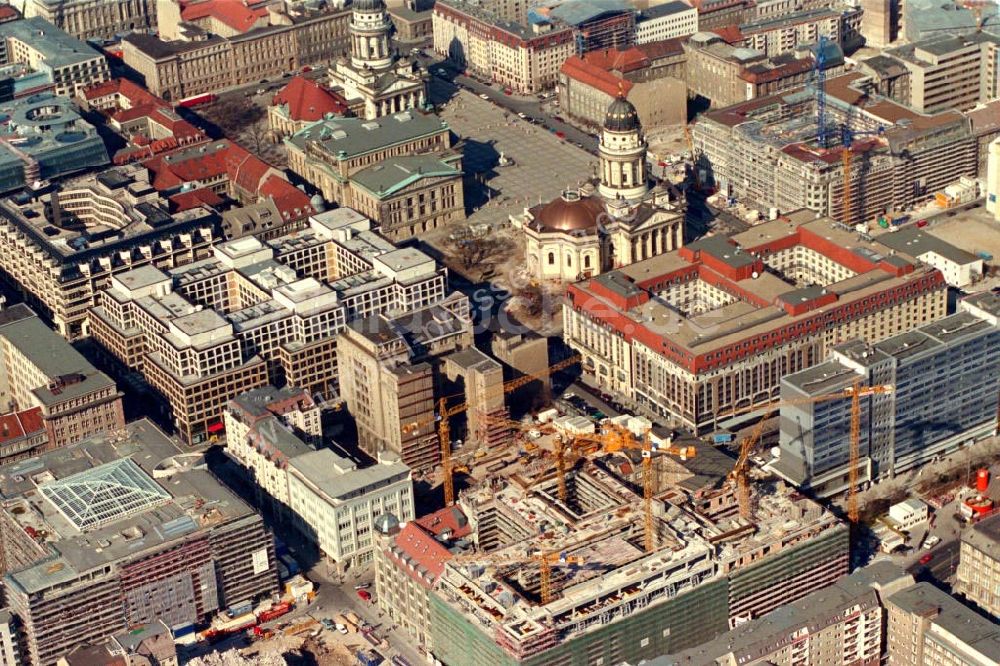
274	612
197	100
722	437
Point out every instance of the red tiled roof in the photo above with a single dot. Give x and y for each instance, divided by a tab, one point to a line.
8	13
423	551
309	101
291	202
617	60
194	199
18	424
579	70
233	13
102	89
730	34
449	518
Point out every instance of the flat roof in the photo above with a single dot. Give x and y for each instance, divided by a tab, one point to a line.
985	536
340	479
58	48
392	175
916	242
196	502
962	623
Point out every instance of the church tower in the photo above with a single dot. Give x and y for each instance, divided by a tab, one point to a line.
622	152
370	27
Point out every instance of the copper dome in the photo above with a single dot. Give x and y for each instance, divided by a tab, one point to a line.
570	212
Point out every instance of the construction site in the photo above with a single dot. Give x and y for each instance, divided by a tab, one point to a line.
591	544
835	148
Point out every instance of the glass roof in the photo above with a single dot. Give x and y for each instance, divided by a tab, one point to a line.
104	494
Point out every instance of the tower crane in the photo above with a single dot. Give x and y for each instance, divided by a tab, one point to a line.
855	392
615	438
444	414
694	162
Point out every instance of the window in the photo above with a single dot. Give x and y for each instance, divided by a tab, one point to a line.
552	258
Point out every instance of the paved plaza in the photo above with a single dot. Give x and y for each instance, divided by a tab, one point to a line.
544	165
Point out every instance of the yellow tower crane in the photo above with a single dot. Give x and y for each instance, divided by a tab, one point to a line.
739	475
545	561
444	414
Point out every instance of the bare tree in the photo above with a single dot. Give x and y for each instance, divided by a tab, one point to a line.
234	115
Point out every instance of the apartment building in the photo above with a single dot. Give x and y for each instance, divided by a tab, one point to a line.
774	36
978	575
390	377
409	559
666	21
61	248
208	49
945	379
95	19
606	24
156	532
719	14
40	369
843	623
255	313
67	63
764	152
523	58
712	327
11	652
927	626
949	71
339	507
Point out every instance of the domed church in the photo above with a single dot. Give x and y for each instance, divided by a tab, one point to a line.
373	80
619	218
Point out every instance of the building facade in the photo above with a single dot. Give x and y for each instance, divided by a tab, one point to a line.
525	59
774	36
666	21
945	384
95	19
200	60
733	328
978	574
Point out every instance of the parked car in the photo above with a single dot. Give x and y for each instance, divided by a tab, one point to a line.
522	115
483	96
926	558
364	595
362	586
931	541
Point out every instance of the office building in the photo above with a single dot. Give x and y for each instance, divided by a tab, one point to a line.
95	19
525	58
927	626
945	377
40	369
374	80
666	21
880	22
45	138
264	429
413	21
712	327
922	19
67	63
720	14
390	376
60	249
597	24
843	623
11	653
978	575
255	313
121	530
207	46
339	507
959	268
765	152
